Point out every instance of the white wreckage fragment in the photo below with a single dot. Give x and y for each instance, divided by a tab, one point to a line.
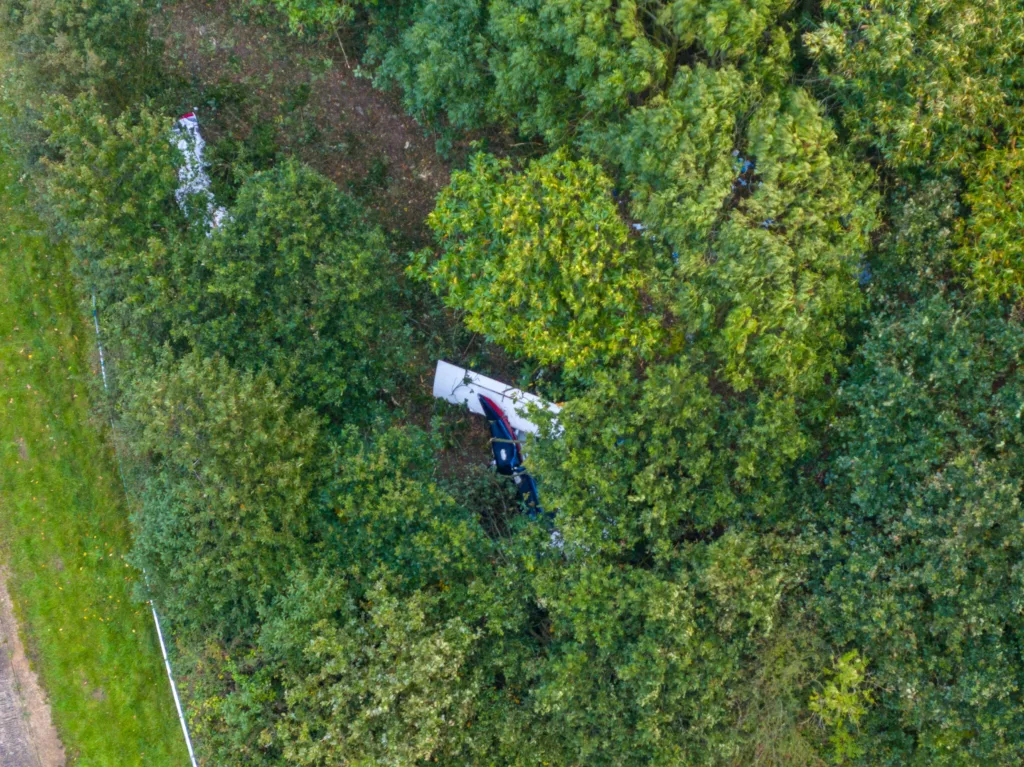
464	387
461	386
194	181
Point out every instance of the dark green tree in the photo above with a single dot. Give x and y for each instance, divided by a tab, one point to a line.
560	68
299	283
296	282
110	188
934	87
227	511
440	62
75	46
921	541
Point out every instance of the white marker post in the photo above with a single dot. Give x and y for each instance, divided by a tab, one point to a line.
156	618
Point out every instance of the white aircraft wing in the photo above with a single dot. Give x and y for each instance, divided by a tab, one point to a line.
462	387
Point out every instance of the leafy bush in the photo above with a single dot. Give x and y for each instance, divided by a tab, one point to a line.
921	538
390	516
389	632
297	283
769	225
560	68
924	81
842	702
932	85
542	264
992	254
528	66
110	187
440	62
227	510
557	64
77	45
316	16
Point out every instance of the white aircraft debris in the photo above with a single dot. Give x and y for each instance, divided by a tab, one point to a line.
464	387
194	180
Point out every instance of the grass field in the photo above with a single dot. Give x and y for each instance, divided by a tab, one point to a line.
63	517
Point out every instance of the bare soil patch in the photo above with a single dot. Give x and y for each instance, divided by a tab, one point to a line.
27	734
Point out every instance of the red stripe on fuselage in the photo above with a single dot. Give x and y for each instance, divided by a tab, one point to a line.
501	415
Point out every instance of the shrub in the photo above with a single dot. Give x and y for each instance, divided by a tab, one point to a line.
110	186
298	283
931	85
76	45
227	509
542	264
921	540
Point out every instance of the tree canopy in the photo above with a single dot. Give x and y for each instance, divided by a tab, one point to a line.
296	283
766	256
226	508
922	544
542	263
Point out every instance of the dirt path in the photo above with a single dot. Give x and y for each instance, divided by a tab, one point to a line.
27	735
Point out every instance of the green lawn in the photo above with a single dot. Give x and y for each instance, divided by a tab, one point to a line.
63	518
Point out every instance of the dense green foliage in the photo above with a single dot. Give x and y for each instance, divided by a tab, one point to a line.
316	16
560	67
294	283
111	187
929	81
937	84
765	254
922	537
555	226
76	45
230	467
779	305
919	561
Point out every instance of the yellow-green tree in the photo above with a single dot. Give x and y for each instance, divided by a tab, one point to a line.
541	262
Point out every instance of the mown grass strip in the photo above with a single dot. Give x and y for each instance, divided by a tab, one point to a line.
63	518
